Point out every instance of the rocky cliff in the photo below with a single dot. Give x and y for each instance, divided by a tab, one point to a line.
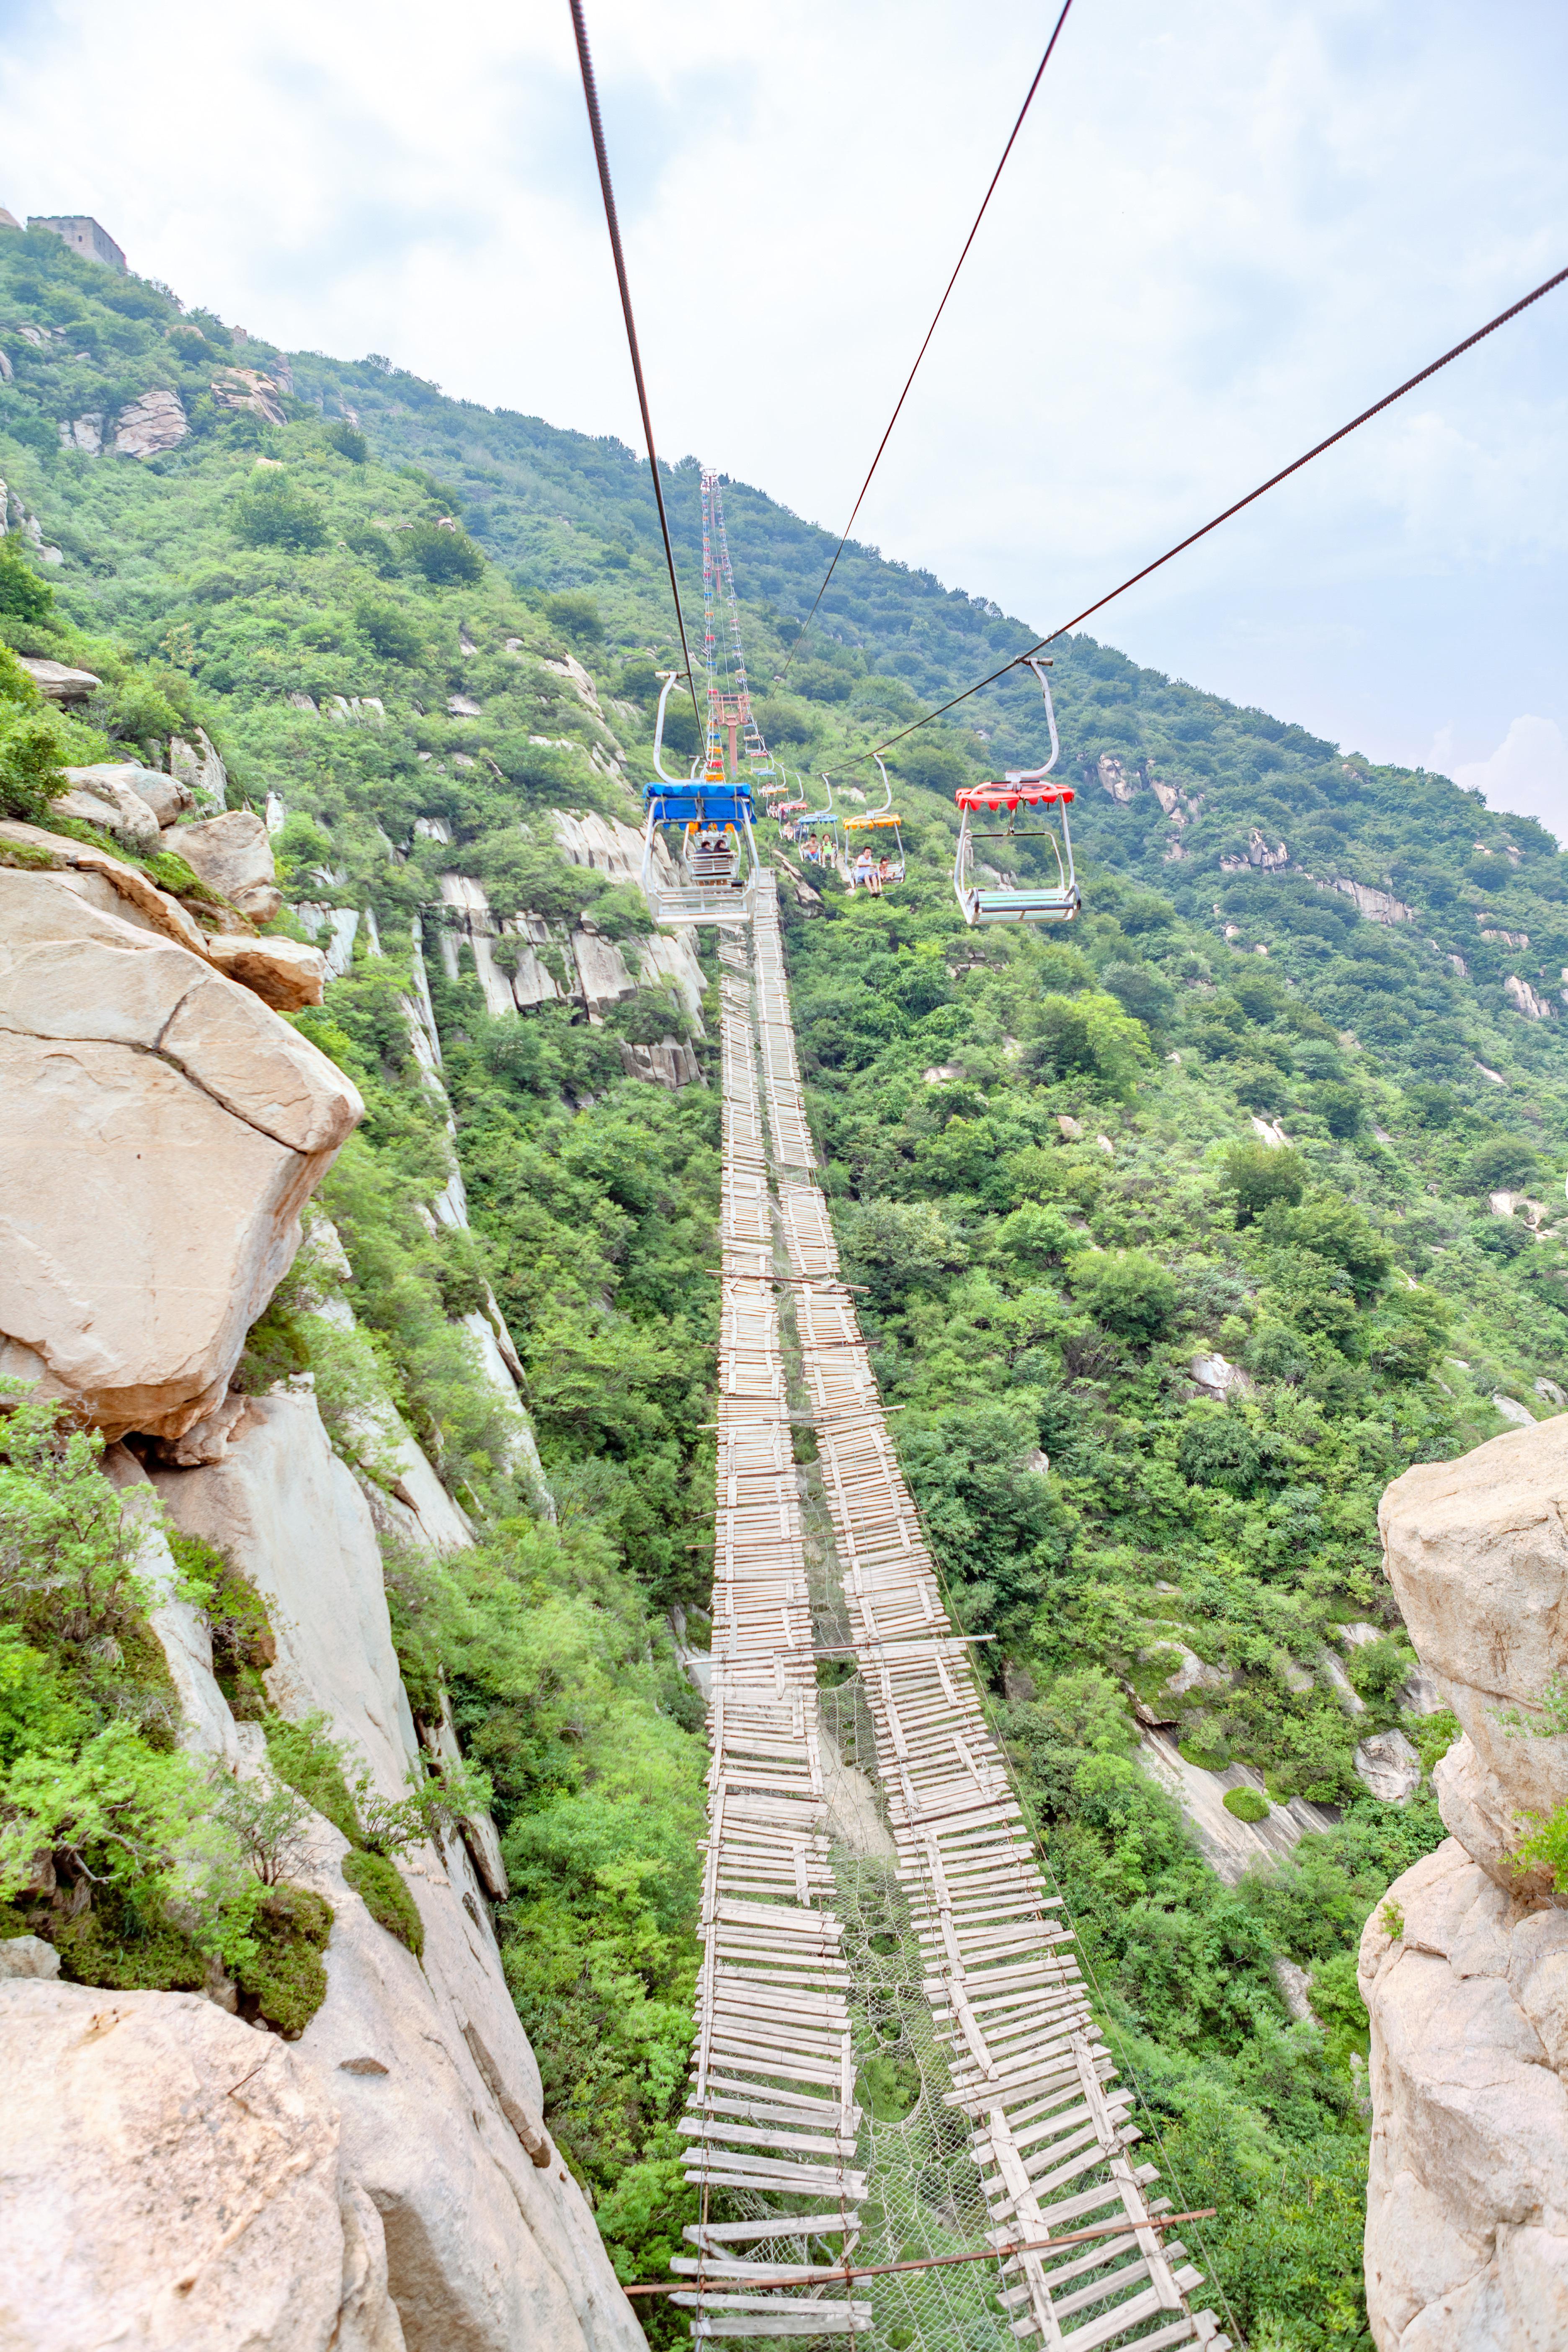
1463	1966
174	2172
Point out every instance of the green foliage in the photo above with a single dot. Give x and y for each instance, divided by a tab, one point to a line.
1259	1175
23	596
1246	1804
576	616
1129	1291
347	440
275	510
285	1976
381	1888
393	632
304	1756
444	554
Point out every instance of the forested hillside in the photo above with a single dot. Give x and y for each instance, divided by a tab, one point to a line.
1182	1232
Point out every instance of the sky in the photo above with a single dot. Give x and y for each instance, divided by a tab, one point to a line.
1224	231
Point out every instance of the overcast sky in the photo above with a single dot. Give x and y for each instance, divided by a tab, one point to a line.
1224	229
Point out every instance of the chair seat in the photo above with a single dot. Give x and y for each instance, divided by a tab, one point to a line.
1056	905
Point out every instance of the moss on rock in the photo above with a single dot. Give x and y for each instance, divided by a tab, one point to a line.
287	1979
380	1886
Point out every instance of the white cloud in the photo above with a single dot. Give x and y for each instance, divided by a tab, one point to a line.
1527	775
1219	236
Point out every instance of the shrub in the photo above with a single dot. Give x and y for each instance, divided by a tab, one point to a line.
1141	992
274	512
1506	1164
447	558
1128	1291
1220	1450
390	630
23	596
1246	1804
347	440
1341	1109
285	1975
305	1755
377	1881
1258	1176
576	614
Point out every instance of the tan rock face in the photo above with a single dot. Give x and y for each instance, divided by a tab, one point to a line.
181	2188
1463	1966
233	854
283	972
1476	1553
1466	2236
487	2248
140	902
135	1078
109	796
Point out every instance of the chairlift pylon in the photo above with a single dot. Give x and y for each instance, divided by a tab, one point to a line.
1025	788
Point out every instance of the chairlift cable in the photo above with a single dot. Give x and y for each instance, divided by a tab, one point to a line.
931	331
853	759
601	157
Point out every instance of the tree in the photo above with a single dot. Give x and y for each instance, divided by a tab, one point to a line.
1142	991
1507	1164
1259	1175
443	553
23	596
1128	1291
390	630
275	511
576	614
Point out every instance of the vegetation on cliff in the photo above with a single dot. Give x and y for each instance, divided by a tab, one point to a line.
1156	1362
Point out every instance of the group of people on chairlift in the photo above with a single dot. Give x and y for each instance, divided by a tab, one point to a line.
872	872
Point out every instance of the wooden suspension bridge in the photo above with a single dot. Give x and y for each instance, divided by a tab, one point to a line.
777	2139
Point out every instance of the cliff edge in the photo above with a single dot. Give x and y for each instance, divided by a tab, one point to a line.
176	2171
1464	1966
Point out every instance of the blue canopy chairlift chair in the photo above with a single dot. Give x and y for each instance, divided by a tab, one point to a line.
1053	902
818	833
714	849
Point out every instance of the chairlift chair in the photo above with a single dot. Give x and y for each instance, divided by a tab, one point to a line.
817	831
714	848
870	863
1051	902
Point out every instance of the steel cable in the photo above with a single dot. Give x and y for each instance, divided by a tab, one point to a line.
601	157
931	331
855	758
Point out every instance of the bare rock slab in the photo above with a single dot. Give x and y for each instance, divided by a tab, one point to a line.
181	2187
137	1079
1466	2234
1477	1552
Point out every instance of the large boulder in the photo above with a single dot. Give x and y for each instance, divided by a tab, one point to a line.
172	2179
164	1132
233	854
1477	1552
1466	2227
284	973
103	881
1464	1965
109	795
153	422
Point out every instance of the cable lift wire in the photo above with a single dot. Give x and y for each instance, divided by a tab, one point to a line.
853	759
612	222
931	331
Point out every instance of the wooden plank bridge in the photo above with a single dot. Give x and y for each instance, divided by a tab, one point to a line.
776	2137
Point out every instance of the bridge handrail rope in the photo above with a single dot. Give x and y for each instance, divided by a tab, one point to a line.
1051	2131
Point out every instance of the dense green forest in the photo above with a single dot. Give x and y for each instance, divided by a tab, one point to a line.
1047	1156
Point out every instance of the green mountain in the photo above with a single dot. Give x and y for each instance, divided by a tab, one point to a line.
1182	1232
